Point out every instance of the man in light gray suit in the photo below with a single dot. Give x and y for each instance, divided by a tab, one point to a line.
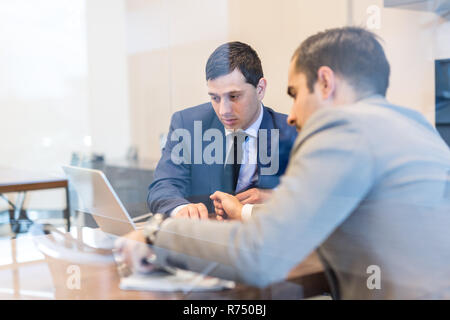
368	185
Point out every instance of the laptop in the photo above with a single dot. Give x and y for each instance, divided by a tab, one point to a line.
100	200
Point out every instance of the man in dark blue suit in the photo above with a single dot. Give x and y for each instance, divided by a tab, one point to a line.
233	144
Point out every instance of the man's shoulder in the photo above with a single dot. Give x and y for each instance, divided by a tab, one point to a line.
276	116
186	118
373	118
329	119
200	112
279	121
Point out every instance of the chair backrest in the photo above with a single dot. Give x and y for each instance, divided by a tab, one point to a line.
333	282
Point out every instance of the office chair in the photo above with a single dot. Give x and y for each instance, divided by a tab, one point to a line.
331	276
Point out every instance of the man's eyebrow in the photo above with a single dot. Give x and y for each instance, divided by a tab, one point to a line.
291	92
235	91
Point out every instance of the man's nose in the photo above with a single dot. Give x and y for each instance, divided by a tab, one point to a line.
225	107
291	120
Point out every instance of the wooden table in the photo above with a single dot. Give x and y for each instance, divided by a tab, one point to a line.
46	278
21	181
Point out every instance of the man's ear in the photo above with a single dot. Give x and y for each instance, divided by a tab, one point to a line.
261	88
326	80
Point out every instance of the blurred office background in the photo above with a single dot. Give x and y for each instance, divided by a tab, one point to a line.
83	77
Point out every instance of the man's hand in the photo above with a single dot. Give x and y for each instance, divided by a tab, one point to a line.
226	204
254	196
134	251
193	211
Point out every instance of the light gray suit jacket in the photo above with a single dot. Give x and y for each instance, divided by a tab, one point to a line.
367	184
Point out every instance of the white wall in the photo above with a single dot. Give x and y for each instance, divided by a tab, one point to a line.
275	29
43	86
169	42
64	76
109	112
408	37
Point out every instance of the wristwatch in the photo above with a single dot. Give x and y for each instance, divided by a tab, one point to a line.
152	227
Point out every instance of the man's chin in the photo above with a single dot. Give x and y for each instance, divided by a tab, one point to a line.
233	127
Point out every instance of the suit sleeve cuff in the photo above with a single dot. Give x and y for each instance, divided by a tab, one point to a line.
246	212
175	211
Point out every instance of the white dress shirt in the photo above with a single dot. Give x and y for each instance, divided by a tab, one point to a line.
248	171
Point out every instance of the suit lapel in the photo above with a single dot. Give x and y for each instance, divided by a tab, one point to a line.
266	124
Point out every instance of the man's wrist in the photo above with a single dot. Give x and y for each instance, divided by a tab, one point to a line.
246	212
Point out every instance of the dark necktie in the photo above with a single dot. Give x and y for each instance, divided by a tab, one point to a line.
231	170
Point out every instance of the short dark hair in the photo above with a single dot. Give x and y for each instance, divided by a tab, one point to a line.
351	52
235	55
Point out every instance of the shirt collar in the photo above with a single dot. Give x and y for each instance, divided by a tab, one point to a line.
253	129
374	98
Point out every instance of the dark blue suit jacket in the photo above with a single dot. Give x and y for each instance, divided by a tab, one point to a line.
177	184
